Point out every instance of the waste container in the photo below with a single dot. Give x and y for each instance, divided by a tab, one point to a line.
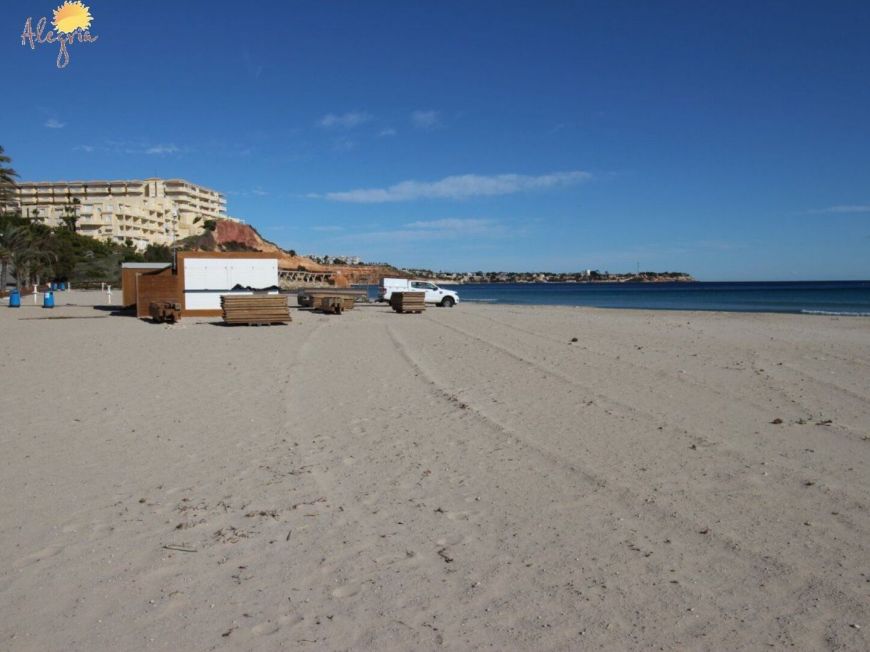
15	299
48	299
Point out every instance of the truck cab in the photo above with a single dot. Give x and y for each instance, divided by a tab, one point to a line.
432	293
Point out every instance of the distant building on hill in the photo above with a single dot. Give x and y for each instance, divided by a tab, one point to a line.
335	260
149	211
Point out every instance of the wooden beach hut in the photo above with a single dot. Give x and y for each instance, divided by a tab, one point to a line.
198	280
129	273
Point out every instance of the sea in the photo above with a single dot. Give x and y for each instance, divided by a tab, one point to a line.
841	298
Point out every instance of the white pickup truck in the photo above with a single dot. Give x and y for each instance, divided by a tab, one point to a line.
434	294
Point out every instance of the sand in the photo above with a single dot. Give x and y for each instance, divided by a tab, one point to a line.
463	479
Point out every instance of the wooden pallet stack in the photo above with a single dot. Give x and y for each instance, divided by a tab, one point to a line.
407	301
255	309
310	298
165	311
335	305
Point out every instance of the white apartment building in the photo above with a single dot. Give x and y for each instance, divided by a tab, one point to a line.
149	211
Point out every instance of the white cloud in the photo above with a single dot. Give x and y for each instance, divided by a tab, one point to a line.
443	229
54	123
328	228
345	120
459	187
453	225
256	191
133	147
343	144
389	131
426	119
161	150
846	208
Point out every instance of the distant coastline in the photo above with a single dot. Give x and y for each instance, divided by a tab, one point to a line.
588	276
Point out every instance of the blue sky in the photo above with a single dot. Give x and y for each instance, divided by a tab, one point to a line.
726	139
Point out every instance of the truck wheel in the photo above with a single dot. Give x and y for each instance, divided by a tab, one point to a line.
447	302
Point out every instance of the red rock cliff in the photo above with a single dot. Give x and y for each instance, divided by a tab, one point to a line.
234	236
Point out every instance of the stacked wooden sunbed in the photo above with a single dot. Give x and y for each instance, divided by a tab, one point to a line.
407	301
165	311
310	297
255	309
335	304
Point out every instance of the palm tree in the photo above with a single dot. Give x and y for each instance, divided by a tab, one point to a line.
26	251
71	213
7	182
5	258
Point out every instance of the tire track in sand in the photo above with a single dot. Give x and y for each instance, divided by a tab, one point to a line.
774	569
788	471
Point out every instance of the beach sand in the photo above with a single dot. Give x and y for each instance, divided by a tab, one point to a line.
467	478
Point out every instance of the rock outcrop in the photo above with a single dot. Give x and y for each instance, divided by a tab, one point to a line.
234	236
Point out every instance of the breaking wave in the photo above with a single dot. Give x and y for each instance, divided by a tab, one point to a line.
835	313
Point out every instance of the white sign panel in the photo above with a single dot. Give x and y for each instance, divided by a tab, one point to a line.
206	279
226	273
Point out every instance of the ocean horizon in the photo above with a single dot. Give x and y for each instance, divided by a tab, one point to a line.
835	298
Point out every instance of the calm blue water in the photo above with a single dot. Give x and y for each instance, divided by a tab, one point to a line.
818	297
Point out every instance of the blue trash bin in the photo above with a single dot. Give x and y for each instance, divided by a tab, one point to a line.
15	299
61	286
53	286
48	299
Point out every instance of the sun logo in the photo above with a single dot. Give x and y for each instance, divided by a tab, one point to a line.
71	16
71	22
